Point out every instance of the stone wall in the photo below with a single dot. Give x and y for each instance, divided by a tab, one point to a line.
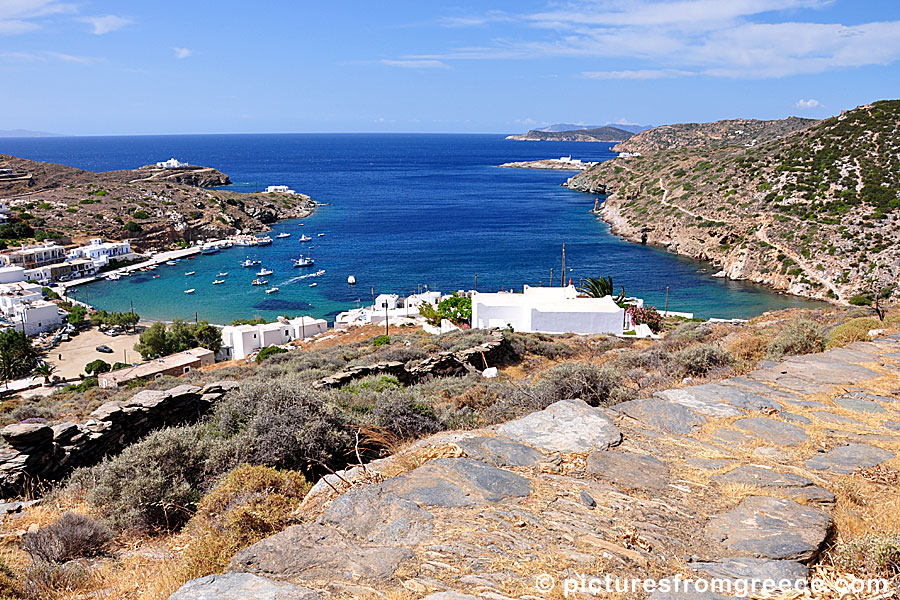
36	452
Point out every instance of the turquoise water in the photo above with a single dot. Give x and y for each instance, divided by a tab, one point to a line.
404	211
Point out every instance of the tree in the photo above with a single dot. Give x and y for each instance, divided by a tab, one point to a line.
95	367
45	370
18	357
457	309
600	288
180	337
431	314
208	336
152	341
77	314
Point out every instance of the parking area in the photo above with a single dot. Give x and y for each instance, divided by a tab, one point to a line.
70	357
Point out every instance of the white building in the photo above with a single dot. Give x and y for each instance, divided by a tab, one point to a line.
13	294
279	189
547	310
35	317
12	274
100	252
399	310
240	341
33	256
69	270
172	163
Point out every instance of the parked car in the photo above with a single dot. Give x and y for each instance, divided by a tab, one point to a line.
104	349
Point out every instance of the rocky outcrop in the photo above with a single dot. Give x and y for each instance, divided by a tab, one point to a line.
37	452
598	134
572	486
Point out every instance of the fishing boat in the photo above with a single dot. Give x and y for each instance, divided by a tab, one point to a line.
283	234
151	268
264	271
190	291
263	241
156	277
321	235
171	263
272	290
218	281
304	238
351	280
303	261
190	272
251	263
259	282
313	284
113	277
209	248
222	274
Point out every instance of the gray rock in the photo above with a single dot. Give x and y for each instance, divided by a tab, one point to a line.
772	431
457	482
845	460
786	484
735	396
373	516
564	426
697	403
708	464
778	378
8	508
449	596
774	528
895	425
761	389
241	586
682	594
500	452
859	405
587	499
748	569
629	471
830	417
793	418
732	437
662	414
27	434
313	551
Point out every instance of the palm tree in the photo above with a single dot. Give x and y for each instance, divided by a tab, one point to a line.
600	288
45	370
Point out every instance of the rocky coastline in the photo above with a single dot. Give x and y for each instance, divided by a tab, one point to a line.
550	164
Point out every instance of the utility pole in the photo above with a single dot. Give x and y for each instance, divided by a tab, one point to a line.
373	296
667	301
551	276
562	281
476	282
386	330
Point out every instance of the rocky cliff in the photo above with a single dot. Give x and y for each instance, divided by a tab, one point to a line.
151	206
815	213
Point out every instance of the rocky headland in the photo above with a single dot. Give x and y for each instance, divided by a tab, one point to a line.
551	164
151	206
813	212
600	134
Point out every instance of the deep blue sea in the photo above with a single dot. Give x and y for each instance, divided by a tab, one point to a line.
403	211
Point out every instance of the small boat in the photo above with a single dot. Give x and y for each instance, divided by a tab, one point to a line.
151	268
262	272
313	284
171	263
222	274
304	238
263	241
321	235
351	280
190	291
156	277
251	263
304	261
113	277
209	248
218	281
283	234
272	290
190	272
259	282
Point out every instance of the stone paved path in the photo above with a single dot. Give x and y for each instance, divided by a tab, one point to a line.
730	480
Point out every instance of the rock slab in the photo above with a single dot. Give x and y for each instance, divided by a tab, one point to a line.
564	426
241	586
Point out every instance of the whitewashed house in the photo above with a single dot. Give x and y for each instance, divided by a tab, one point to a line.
304	327
172	163
12	274
280	189
100	252
35	317
240	341
547	310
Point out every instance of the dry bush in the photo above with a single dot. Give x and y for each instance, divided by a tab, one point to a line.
701	359
47	580
800	336
749	349
598	386
871	556
72	536
404	417
854	330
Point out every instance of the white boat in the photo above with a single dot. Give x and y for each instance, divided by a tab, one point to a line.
263	241
304	238
209	248
222	274
251	263
321	235
303	261
171	263
263	272
190	272
113	277
313	284
244	240
190	291
218	281
272	290
351	280
283	234
259	282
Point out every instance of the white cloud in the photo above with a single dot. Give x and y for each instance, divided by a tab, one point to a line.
20	16
182	52
415	64
807	104
651	39
45	56
106	23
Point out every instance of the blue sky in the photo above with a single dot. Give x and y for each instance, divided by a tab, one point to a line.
102	67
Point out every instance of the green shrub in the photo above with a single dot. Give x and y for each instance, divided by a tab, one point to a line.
690	331
269	351
598	386
381	340
800	336
862	299
700	360
141	214
71	536
405	418
854	330
872	556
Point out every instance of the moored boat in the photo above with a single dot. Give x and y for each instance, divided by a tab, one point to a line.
262	272
222	274
304	238
283	234
303	261
190	272
351	280
263	241
313	284
218	281
259	281
272	290
190	291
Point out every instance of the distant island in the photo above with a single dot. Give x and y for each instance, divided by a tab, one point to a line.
25	133
563	163
607	134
